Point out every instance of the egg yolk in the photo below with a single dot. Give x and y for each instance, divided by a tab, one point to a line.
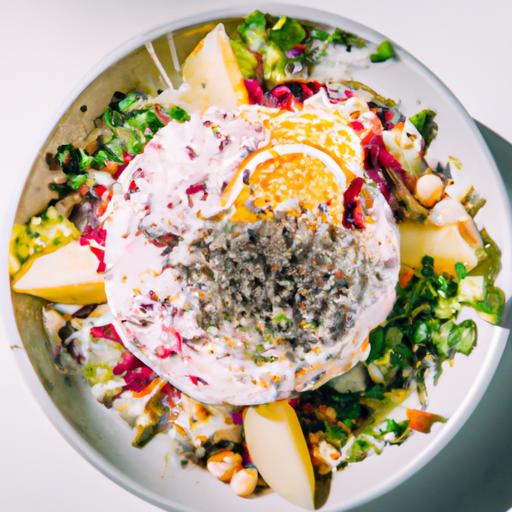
293	183
299	180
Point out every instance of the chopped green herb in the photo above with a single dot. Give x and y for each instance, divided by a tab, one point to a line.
461	271
75	181
335	435
247	61
383	52
253	31
425	124
178	114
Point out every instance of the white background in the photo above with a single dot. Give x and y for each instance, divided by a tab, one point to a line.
45	49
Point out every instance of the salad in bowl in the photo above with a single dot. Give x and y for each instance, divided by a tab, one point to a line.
261	262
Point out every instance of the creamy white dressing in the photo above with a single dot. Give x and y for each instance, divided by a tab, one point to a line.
162	191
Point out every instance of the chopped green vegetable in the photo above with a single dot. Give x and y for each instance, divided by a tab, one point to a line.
75	181
360	449
383	52
425	124
151	422
274	62
281	317
287	33
489	265
471	289
247	61
73	160
348	39
463	337
400	430
320	35
253	31
99	373
473	202
491	308
335	435
376	344
178	114
129	101
461	271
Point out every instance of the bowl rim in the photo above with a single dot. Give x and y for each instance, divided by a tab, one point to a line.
8	323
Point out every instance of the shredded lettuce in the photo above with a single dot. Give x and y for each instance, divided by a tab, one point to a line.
247	61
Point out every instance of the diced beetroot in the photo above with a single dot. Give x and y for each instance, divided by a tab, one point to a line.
127	158
197	380
107	332
237	417
163	352
353	214
100	254
127	363
357	125
99	235
294	402
255	91
194	189
119	170
280	91
178	347
246	457
137	379
100	190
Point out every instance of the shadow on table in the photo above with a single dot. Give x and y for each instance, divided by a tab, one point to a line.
474	472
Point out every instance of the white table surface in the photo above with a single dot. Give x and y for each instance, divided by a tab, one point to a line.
45	49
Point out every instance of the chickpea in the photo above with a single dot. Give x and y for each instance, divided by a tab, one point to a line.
244	481
223	464
429	189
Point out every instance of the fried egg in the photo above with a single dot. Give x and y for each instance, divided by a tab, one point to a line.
231	269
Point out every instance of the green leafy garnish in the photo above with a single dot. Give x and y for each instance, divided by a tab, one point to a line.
461	271
400	430
75	181
348	39
253	31
287	33
383	52
247	61
335	435
178	114
425	124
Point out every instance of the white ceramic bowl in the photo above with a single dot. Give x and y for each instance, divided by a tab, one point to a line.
104	440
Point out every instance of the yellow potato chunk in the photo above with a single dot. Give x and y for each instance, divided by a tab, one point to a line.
67	275
212	73
279	451
446	244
